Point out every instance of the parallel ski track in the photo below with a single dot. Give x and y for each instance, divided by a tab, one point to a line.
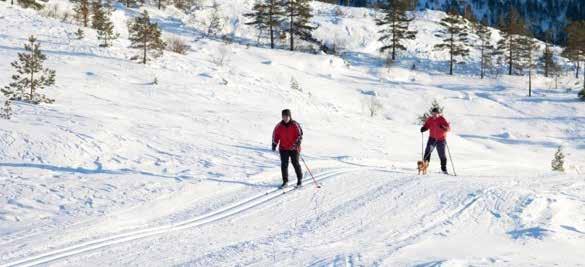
210	217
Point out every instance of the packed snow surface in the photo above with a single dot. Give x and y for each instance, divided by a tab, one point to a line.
124	171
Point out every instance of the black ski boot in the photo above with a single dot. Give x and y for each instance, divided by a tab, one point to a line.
283	184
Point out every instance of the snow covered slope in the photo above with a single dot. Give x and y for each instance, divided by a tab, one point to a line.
122	171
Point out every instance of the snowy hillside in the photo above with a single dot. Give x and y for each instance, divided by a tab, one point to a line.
123	171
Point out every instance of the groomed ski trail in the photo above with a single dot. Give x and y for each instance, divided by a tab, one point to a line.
210	217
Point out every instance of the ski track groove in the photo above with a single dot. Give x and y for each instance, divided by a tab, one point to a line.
210	217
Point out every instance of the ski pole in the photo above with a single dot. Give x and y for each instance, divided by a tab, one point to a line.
451	158
422	146
314	181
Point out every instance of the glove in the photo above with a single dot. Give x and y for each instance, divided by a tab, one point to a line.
423	129
273	147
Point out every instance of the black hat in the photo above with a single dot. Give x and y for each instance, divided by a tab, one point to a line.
286	112
435	110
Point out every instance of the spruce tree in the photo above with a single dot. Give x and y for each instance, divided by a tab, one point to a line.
558	162
266	15
299	17
146	36
81	10
485	46
30	75
395	24
455	34
509	46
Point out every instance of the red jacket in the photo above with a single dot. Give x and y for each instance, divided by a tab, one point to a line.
438	127
289	135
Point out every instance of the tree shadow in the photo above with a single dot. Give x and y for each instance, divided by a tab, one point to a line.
534	232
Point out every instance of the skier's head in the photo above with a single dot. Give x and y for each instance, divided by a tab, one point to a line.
286	116
435	112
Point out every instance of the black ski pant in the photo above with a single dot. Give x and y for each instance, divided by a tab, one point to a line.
293	155
440	145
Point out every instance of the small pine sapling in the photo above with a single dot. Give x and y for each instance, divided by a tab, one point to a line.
6	111
558	161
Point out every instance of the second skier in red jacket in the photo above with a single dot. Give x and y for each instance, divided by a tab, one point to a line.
288	135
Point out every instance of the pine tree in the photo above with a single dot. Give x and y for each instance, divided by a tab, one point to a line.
395	27
79	34
435	105
455	37
146	36
582	94
98	15
299	17
130	3
575	50
558	162
266	15
106	33
485	46
30	75
6	112
30	4
294	85
215	24
509	46
528	49
102	23
81	10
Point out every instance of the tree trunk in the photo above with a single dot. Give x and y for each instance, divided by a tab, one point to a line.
271	21
510	60
32	86
159	4
482	61
451	56
144	42
292	36
577	70
530	82
394	41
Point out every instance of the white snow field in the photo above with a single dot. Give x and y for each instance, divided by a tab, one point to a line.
120	171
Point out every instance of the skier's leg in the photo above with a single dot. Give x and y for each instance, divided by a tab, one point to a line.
295	162
429	150
284	155
442	156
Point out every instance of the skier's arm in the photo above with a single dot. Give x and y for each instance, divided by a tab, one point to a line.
275	138
299	138
445	125
425	127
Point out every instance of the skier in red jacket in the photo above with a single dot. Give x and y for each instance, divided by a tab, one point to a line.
439	128
288	135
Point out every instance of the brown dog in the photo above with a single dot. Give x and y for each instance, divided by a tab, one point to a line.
422	167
